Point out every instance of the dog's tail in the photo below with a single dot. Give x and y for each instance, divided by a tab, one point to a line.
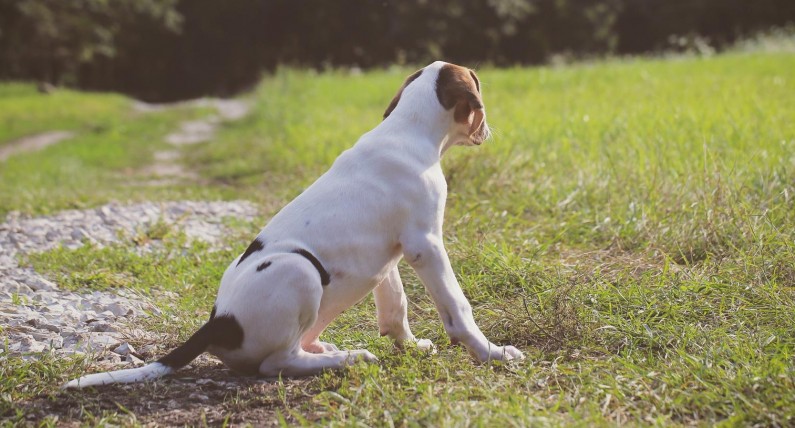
140	374
223	331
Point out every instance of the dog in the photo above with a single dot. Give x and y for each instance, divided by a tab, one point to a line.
381	200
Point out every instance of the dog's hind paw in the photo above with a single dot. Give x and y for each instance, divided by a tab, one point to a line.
329	347
361	355
320	347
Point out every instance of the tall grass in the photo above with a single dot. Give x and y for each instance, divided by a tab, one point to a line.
631	227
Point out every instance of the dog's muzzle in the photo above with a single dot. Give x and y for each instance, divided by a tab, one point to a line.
483	134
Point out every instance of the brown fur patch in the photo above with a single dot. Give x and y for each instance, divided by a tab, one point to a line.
395	100
458	87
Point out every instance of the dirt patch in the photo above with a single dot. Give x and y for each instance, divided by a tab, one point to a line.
194	132
167	169
33	143
206	393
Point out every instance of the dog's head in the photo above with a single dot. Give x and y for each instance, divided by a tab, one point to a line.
456	90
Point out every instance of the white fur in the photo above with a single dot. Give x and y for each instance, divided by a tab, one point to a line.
383	199
380	201
140	374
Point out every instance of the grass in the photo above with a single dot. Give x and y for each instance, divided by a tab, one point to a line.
631	228
104	161
25	111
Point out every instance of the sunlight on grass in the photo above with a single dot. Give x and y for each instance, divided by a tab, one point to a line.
631	227
99	164
24	111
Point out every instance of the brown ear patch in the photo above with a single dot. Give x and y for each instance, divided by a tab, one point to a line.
475	78
395	100
458	87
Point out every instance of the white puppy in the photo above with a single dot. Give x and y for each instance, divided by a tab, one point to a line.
343	237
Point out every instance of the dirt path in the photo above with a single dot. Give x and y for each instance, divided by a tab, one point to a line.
167	168
166	162
205	390
33	143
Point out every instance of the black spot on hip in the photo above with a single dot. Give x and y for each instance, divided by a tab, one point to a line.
325	278
253	248
263	266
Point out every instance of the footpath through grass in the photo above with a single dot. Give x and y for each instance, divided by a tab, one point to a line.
631	227
106	159
25	111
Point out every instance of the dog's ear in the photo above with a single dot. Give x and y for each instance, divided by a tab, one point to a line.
459	88
395	100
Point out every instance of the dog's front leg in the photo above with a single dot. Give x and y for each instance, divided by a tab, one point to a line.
427	255
392	308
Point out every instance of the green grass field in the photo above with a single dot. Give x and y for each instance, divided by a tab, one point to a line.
25	110
631	227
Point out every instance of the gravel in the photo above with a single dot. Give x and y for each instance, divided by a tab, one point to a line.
36	316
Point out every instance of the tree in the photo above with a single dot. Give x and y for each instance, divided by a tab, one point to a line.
50	39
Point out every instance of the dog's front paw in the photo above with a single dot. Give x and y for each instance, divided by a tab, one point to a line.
498	353
425	345
511	353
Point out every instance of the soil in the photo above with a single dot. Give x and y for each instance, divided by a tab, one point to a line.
167	168
205	393
33	143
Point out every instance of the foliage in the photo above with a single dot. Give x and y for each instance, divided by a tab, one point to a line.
50	39
106	158
224	46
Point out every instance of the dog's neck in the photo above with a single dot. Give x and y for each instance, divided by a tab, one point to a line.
430	121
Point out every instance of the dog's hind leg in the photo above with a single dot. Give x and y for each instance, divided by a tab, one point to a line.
336	299
302	363
295	284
